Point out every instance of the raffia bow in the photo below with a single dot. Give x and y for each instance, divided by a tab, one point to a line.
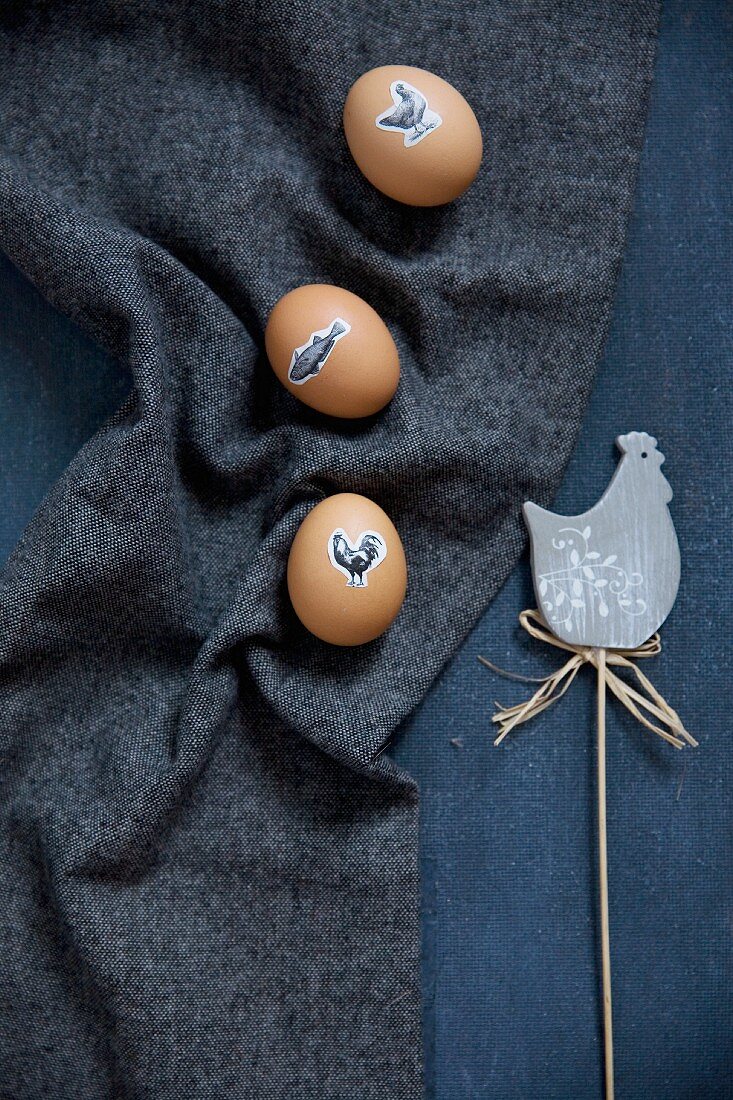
645	705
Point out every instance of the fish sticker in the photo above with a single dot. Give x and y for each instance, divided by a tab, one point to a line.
355	562
409	115
309	359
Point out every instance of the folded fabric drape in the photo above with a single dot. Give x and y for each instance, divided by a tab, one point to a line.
208	863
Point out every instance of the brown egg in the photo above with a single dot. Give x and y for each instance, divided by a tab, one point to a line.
412	135
332	351
346	571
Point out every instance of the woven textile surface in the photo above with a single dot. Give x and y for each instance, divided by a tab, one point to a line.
209	865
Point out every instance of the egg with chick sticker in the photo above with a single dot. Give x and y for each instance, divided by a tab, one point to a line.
347	574
412	134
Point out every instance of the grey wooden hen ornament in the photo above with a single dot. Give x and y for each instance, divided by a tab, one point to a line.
605	582
609	577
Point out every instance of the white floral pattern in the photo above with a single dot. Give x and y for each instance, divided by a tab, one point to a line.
589	579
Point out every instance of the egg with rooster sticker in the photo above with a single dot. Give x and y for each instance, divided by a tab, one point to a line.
347	574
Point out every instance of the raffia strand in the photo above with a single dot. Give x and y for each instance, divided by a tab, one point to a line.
642	700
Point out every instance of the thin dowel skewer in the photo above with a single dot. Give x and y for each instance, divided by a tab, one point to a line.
603	874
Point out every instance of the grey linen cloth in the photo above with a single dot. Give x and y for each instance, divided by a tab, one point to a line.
208	864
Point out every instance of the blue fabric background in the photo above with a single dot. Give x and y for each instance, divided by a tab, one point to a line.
508	836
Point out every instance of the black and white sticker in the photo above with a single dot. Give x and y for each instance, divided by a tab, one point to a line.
356	562
410	114
309	359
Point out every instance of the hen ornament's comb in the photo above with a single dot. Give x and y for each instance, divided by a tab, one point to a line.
605	581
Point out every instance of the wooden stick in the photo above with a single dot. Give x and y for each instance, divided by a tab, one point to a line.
603	873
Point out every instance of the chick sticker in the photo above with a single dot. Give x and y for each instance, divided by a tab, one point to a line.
409	115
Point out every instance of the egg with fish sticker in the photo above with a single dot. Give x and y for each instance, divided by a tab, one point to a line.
332	351
347	574
412	135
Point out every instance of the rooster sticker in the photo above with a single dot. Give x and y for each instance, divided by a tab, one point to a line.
309	359
355	562
409	115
